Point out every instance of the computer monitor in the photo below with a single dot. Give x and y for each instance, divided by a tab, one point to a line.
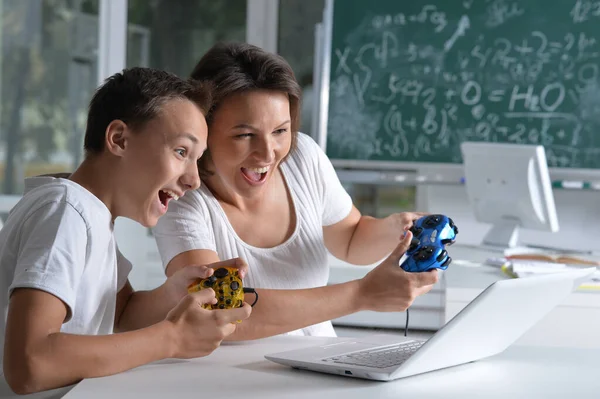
509	186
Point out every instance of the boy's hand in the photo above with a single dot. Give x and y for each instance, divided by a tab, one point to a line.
176	286
388	288
238	263
197	331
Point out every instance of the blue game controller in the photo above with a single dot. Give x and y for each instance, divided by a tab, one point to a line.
427	250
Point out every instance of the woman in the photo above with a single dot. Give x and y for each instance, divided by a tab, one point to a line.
271	197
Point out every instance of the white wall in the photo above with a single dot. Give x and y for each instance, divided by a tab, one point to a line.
262	23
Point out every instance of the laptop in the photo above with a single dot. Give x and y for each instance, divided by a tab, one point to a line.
490	323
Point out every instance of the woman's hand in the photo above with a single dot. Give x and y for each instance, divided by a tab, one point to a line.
405	220
388	288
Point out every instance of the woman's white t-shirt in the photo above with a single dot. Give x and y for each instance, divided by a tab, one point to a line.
197	221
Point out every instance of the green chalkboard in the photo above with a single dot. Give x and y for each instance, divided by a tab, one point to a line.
411	80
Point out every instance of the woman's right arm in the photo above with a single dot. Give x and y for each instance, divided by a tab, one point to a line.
385	288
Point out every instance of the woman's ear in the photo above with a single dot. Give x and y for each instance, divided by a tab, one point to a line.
116	137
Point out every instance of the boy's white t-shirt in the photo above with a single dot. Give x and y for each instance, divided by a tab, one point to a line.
59	239
197	221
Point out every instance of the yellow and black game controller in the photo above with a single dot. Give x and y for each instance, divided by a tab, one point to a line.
227	284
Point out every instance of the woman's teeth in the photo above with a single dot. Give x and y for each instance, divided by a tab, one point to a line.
259	170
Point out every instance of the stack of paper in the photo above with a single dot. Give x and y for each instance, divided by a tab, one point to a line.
526	268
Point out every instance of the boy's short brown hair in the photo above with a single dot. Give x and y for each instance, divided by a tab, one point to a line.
135	96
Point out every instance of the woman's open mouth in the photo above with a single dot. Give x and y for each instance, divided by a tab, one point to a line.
255	176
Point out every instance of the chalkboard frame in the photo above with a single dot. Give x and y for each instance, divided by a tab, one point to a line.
425	172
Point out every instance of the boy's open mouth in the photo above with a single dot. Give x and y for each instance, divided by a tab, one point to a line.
165	196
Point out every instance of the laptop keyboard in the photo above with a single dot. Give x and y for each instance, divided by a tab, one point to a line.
380	357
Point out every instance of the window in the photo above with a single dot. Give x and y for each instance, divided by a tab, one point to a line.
382	200
296	43
47	77
173	35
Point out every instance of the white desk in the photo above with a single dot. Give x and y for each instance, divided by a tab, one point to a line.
576	322
240	371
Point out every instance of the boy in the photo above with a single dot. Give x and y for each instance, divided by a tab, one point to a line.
63	282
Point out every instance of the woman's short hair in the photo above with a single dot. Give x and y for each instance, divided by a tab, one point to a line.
233	68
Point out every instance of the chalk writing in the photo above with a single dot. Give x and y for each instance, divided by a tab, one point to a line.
412	83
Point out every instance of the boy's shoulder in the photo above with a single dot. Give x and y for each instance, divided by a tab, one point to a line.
49	189
44	190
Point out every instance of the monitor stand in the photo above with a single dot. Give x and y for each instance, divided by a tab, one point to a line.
504	237
504	234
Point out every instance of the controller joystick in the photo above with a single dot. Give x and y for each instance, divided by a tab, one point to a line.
416	231
227	285
414	244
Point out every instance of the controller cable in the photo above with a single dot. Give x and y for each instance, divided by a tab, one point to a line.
248	290
413	243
